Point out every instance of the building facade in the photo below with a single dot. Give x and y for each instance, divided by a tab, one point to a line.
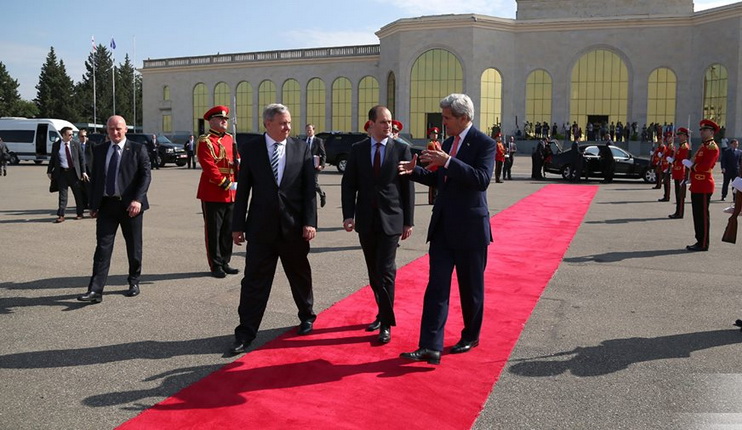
559	62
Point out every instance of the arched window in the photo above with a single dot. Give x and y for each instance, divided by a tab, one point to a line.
599	89
341	104
291	97
538	97
266	96
244	114
435	74
316	103
490	109
200	106
715	94
661	96
391	94
368	97
221	95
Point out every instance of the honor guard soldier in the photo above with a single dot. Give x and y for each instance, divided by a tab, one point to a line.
656	161
702	183
679	173
667	155
217	154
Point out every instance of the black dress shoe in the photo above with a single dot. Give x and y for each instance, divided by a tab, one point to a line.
464	346
229	270
305	327
374	325
239	347
738	323
696	247
663	200
91	297
219	273
675	216
385	335
322	200
133	290
423	354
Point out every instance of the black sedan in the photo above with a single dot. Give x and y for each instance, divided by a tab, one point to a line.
627	165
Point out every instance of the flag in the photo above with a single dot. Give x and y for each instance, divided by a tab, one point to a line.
92	40
113	43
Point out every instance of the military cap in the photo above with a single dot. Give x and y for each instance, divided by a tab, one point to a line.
707	123
222	111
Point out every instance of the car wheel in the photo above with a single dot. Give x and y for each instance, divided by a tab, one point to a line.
649	175
567	172
14	160
342	162
37	161
180	163
162	163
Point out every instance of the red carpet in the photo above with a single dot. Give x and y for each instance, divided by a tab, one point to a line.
338	377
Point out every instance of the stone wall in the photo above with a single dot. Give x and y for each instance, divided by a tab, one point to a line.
565	9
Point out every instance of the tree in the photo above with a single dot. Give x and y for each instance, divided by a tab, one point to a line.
55	90
26	109
99	62
9	96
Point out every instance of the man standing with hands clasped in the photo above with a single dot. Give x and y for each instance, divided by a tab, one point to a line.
317	149
459	231
379	204
277	177
120	177
702	183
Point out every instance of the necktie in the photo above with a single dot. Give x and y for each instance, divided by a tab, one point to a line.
274	161
455	147
377	160
112	169
70	165
309	142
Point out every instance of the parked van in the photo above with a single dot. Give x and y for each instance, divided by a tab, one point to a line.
31	139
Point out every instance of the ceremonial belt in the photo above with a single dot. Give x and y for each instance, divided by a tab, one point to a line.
226	170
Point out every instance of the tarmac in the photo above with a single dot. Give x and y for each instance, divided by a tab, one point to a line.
632	332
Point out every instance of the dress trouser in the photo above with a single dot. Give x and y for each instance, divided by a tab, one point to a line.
498	169
679	197
666	185
112	213
469	264
260	268
316	183
218	232
68	178
725	185
700	204
507	170
380	252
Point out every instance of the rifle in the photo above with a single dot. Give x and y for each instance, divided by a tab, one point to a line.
730	232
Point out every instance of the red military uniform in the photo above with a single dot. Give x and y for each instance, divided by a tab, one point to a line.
216	156
678	170
678	174
499	160
701	179
702	184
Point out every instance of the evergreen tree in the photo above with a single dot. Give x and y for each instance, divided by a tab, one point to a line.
124	90
55	91
9	96
100	63
26	109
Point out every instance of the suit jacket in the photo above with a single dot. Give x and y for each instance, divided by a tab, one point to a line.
134	174
78	163
393	195
730	161
276	211
88	155
318	148
460	209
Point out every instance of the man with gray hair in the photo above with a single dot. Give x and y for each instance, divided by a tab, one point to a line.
281	220
459	231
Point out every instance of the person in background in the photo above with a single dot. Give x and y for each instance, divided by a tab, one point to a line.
510	150
434	143
729	165
190	147
4	158
702	183
67	168
87	153
317	149
500	158
679	174
397	126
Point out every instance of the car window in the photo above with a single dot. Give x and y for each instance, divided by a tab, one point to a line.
591	150
163	139
618	152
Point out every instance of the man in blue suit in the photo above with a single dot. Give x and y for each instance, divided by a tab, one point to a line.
459	231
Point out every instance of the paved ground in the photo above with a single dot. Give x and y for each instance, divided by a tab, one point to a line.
632	331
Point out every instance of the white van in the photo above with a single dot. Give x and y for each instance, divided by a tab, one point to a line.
31	139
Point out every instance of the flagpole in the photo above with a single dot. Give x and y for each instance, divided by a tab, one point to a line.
113	74
95	113
134	83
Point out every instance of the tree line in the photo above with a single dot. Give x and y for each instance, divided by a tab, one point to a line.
57	96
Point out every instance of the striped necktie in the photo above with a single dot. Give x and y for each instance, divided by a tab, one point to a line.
274	161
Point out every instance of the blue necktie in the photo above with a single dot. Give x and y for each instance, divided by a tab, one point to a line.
111	174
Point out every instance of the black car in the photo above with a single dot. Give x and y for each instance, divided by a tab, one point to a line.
337	146
627	165
168	151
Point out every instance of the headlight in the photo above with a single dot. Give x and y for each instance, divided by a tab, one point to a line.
169	150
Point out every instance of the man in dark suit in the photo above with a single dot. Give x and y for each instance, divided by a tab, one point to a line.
67	167
282	218
379	204
317	149
459	231
120	177
86	147
729	165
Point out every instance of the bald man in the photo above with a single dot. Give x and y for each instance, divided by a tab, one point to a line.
120	179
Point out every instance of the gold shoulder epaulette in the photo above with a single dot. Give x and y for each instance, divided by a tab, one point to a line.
713	145
203	138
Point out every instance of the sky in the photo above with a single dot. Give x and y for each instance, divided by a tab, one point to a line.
150	29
